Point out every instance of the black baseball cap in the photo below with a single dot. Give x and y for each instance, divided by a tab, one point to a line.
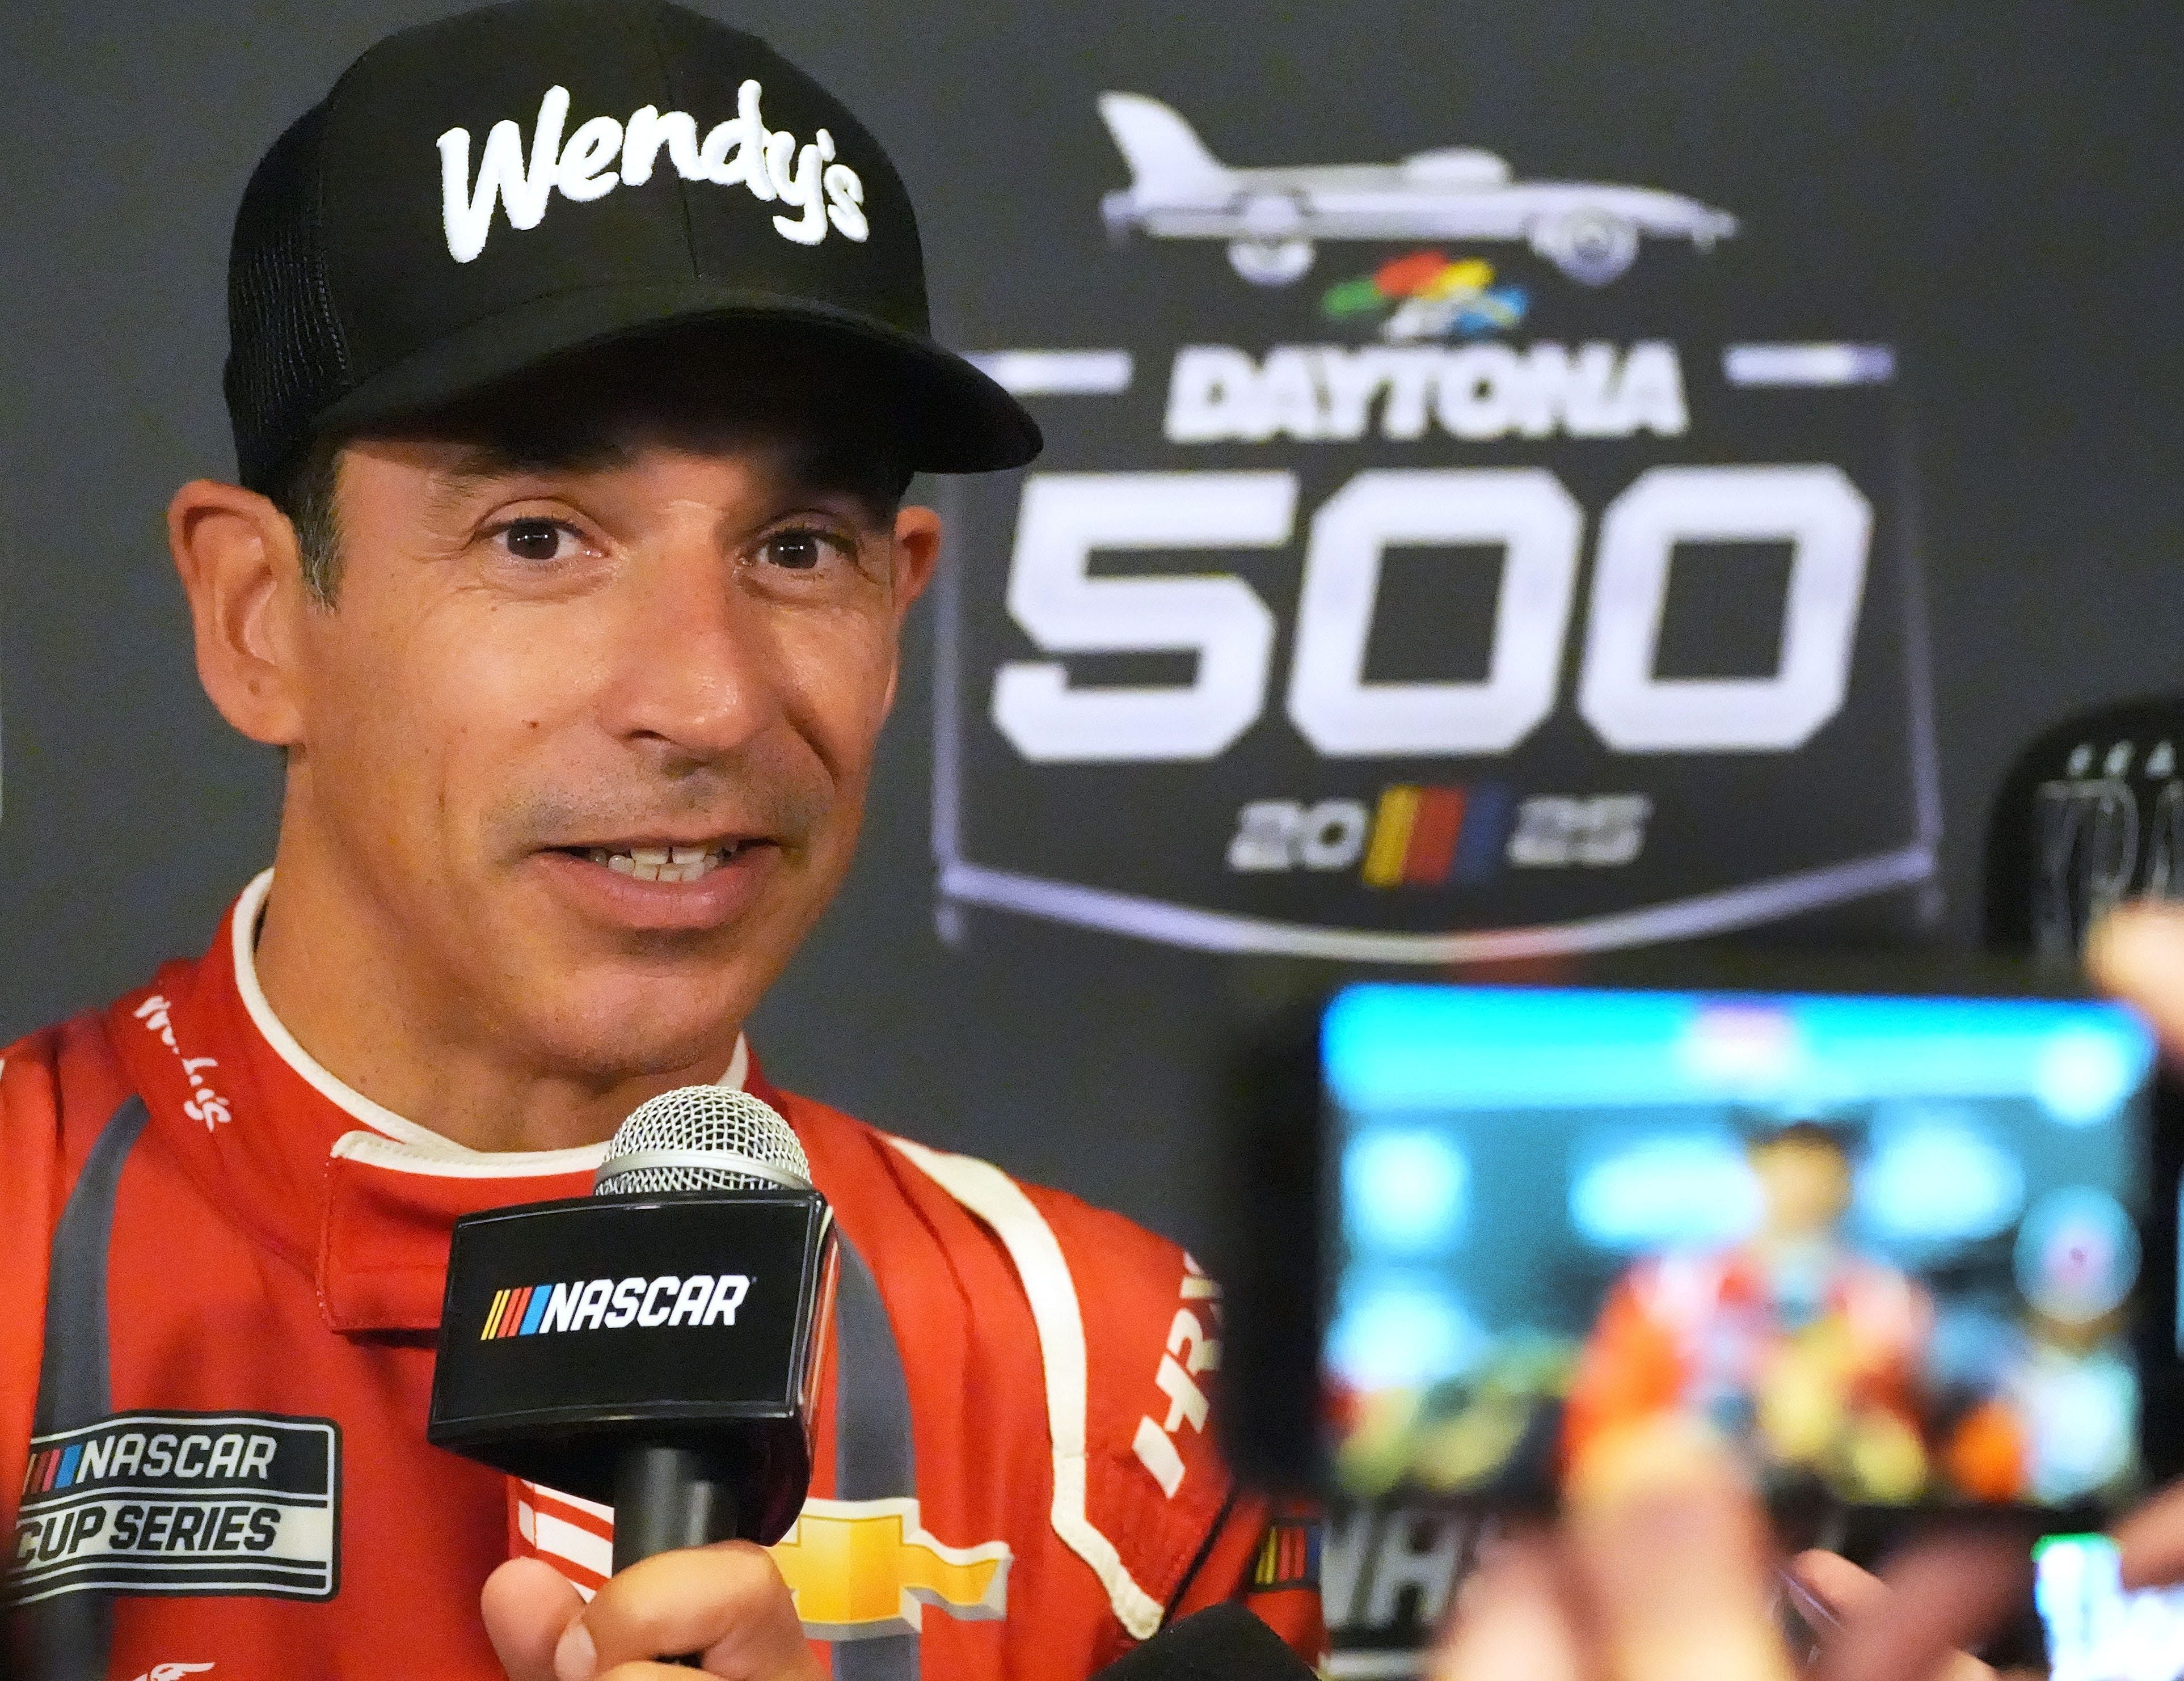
483	194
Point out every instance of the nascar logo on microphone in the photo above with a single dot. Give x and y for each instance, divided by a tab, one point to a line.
610	1304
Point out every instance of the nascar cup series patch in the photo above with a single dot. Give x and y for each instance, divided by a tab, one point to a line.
1429	562
181	1503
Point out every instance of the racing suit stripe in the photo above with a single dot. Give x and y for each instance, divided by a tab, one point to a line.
875	1455
68	1637
1043	1269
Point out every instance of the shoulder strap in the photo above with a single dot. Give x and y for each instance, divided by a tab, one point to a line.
63	1624
1044	1271
875	1454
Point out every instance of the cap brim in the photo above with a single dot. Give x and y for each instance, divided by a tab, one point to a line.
954	418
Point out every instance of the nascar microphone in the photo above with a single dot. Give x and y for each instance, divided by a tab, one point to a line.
1224	1642
655	1345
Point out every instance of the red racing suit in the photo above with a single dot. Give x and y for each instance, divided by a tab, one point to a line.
224	1271
1701	1334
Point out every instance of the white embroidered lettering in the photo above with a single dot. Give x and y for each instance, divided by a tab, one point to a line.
648	130
466	211
803	188
1192	1333
205	1103
773	165
581	173
845	202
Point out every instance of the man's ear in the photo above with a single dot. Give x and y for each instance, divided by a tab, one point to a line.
916	553
237	557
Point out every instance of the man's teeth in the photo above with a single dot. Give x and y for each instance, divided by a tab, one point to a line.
664	863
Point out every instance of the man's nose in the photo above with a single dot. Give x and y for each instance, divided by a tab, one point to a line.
694	673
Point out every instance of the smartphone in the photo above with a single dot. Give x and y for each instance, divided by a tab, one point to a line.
1806	1621
1893	1247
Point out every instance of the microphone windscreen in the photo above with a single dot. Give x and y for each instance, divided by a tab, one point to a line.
703	1138
1224	1642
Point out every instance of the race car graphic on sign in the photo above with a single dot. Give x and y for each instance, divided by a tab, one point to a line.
1454	610
1270	220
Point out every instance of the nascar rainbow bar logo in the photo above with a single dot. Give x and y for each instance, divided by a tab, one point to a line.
1421	835
515	1312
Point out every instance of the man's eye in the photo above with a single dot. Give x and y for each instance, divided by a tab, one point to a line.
537	540
798	549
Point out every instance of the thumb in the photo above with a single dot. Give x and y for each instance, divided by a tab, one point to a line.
528	1606
1675	1553
2136	952
1840	1585
1941	1595
2152	1540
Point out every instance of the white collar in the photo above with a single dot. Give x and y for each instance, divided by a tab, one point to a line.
391	1141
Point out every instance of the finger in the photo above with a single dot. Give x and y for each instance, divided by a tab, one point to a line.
2136	952
1941	1597
727	1601
680	1672
1672	1556
1512	1619
1840	1585
1855	1596
2152	1540
527	1605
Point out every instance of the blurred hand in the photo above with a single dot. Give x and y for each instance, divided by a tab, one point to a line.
1861	1603
2136	952
728	1603
1662	1569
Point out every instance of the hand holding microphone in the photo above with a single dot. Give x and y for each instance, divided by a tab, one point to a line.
726	1603
655	1345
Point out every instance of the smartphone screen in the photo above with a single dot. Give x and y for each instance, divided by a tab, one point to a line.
1886	1245
2096	1630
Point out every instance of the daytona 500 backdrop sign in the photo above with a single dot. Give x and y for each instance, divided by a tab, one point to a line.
1427	563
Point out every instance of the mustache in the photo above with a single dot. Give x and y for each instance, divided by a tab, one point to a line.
715	799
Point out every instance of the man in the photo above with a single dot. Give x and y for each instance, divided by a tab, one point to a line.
579	364
1662	1570
1791	1341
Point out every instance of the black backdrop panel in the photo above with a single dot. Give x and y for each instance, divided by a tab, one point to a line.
1993	206
1513	612
1986	195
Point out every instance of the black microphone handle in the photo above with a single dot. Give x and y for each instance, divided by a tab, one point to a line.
1223	1643
669	1497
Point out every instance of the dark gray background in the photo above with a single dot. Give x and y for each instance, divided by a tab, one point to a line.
1996	187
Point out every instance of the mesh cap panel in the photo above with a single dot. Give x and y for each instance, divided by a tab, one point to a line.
285	357
756	1151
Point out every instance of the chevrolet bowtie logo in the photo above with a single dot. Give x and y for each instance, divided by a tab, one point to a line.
864	1567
